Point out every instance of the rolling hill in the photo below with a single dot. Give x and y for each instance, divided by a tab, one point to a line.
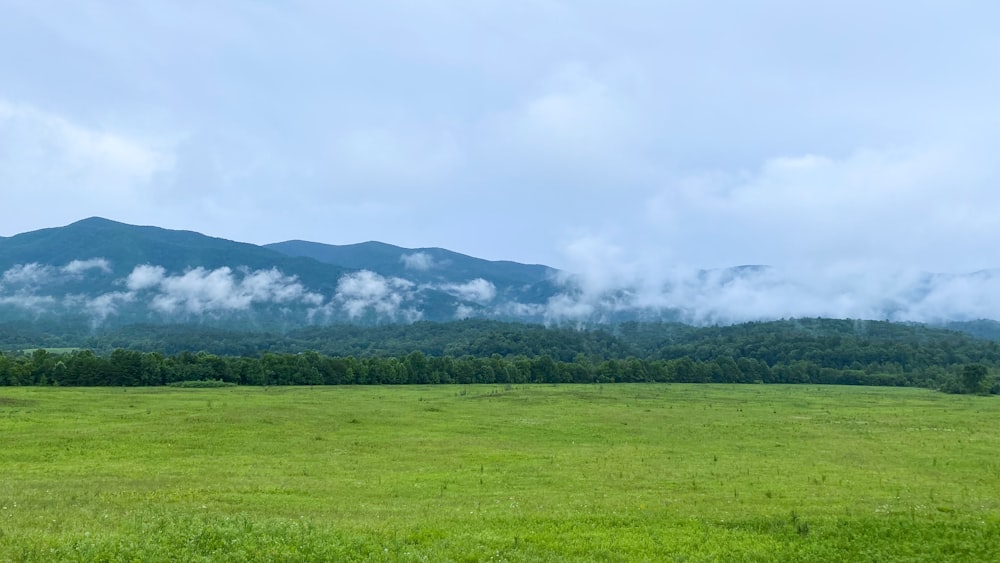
98	272
419	264
105	272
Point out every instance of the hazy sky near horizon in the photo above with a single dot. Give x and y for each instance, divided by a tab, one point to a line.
593	136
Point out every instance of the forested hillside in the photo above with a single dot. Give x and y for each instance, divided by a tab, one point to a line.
478	351
101	273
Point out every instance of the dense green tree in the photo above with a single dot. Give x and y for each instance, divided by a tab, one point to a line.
798	351
974	378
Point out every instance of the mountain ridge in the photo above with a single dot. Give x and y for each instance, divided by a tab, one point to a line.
423	264
129	273
98	271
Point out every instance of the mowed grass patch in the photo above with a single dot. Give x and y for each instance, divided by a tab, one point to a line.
475	473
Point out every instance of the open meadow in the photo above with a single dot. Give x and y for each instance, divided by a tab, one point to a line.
627	472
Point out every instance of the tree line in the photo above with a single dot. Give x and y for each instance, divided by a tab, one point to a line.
135	368
483	351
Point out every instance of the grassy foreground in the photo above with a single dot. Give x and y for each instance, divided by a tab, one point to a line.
486	473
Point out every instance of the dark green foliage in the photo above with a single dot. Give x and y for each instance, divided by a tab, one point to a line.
974	378
476	351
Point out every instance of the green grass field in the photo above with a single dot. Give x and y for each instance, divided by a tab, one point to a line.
486	473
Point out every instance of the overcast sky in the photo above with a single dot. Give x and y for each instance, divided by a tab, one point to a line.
586	135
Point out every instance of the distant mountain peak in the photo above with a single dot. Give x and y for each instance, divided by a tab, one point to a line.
95	220
103	271
98	223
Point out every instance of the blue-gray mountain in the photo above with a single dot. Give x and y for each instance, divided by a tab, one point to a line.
104	273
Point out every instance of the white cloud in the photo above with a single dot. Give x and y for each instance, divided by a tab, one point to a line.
728	296
598	265
478	290
42	154
80	266
930	208
580	128
517	309
28	274
274	286
430	127
361	291
565	307
950	297
419	261
104	305
145	276
201	290
35	274
27	301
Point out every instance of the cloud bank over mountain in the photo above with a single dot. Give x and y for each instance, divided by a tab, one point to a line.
194	292
199	290
362	291
699	297
728	296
